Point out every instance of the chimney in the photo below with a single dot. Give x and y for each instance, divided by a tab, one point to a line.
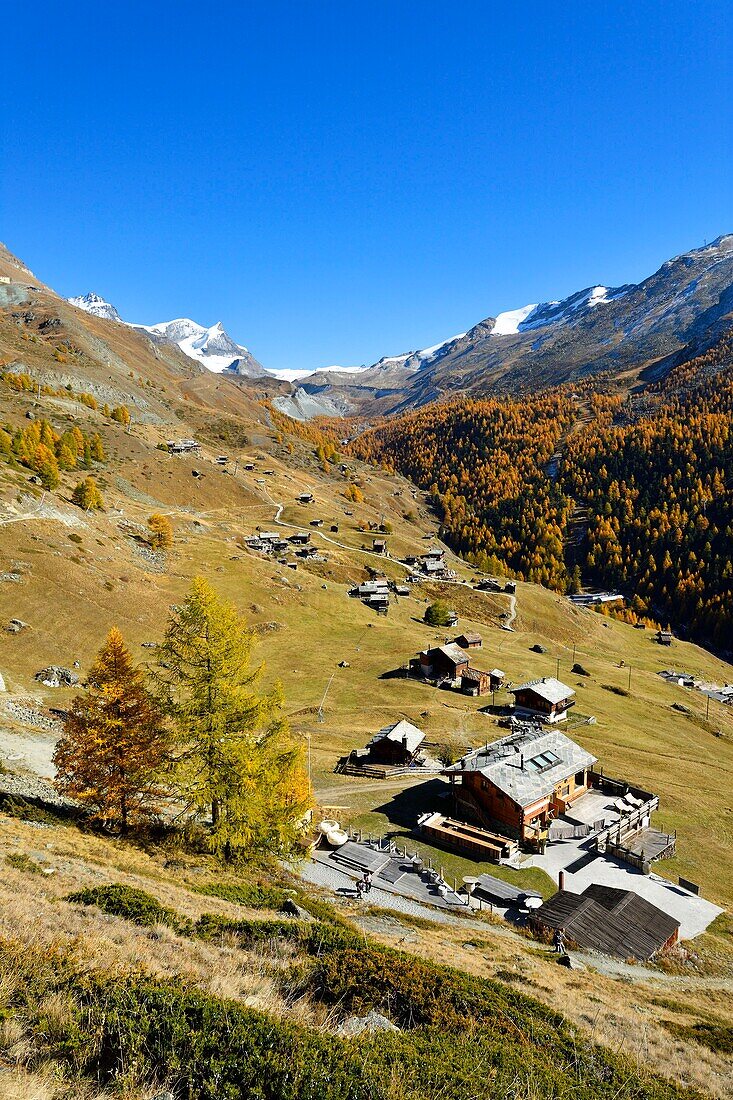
561	881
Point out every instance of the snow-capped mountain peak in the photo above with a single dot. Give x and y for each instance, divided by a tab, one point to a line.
213	347
98	307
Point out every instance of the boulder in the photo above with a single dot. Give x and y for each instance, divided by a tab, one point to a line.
366	1025
292	909
57	676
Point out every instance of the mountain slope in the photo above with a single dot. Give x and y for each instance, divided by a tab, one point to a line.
689	300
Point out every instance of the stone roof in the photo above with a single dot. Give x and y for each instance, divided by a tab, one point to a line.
403	732
527	765
454	653
548	688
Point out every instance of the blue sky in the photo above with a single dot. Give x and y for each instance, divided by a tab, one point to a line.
336	180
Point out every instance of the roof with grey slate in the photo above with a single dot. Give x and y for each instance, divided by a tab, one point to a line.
554	691
527	765
402	732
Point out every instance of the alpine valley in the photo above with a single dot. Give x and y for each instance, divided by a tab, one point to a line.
187	837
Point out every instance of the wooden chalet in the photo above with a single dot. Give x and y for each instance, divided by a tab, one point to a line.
474	681
604	918
470	640
397	745
548	699
521	782
445	662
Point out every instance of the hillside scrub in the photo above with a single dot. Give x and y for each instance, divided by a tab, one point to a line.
125	1031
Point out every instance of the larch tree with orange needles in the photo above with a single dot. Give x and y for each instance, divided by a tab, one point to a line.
115	745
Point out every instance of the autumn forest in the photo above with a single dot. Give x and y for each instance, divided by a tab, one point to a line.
590	485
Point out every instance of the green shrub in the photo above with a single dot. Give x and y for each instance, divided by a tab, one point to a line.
131	904
249	932
253	895
22	862
714	1036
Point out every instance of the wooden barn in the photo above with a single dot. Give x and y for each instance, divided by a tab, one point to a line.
604	918
548	699
522	781
474	681
396	745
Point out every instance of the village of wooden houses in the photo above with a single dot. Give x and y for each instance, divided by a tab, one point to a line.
533	798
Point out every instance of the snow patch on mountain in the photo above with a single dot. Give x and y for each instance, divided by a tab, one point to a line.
530	317
98	307
508	323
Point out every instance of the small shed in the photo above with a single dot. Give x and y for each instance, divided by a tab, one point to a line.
397	745
474	681
614	921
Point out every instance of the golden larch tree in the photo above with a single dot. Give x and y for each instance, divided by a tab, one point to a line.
237	759
114	746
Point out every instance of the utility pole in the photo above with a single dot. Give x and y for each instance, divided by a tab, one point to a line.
323	700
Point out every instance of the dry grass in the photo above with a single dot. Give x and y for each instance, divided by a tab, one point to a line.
614	1012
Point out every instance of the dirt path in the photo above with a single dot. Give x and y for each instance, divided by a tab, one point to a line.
28	750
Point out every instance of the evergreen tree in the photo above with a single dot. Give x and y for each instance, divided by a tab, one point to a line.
114	745
437	614
238	761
